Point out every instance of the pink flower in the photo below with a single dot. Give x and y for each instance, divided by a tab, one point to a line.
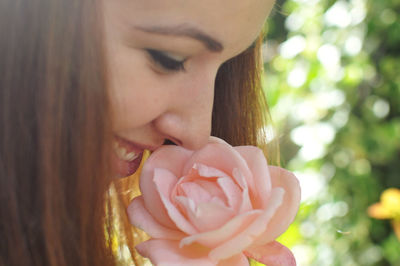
215	206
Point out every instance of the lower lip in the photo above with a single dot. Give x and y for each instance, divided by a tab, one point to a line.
124	168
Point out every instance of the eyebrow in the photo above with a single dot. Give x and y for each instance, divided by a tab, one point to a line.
185	31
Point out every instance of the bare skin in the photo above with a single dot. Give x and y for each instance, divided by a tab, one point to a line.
163	59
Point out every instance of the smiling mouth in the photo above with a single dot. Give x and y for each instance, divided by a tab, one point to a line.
123	154
126	157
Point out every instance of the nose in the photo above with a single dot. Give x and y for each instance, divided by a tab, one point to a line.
187	118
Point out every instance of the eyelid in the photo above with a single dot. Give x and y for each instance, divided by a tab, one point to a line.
169	62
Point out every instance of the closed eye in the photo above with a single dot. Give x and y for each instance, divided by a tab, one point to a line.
165	61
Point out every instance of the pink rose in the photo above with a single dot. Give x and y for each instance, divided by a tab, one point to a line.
215	206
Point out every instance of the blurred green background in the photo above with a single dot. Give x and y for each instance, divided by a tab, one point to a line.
333	84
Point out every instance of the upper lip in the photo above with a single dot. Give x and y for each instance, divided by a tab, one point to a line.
137	145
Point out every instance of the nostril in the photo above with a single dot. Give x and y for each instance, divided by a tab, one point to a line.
168	142
171	142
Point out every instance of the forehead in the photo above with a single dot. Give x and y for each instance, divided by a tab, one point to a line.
233	22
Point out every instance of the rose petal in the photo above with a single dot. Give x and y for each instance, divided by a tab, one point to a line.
164	180
196	192
206	183
221	156
167	157
212	215
206	171
212	188
187	206
246	237
231	191
246	204
213	139
206	216
141	218
237	260
288	210
167	253
259	168
272	254
214	238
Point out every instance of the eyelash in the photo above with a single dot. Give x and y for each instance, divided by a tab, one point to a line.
166	62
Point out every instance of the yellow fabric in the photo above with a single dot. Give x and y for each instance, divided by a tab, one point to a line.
121	236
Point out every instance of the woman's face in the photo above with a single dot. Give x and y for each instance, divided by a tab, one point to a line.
163	57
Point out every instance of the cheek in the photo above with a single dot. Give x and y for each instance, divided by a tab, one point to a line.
135	93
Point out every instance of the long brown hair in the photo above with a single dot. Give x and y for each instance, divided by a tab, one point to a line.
55	129
53	133
240	111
